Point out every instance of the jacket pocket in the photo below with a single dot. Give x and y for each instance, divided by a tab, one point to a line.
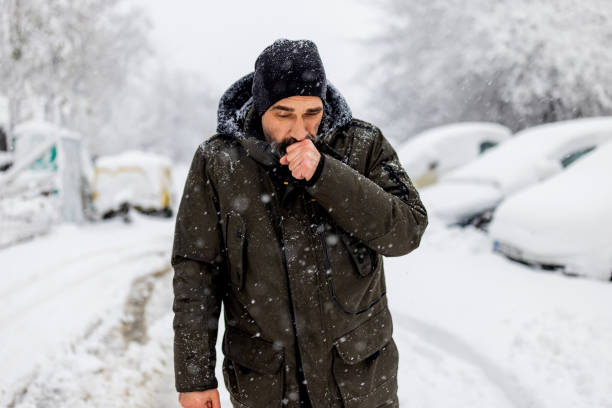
252	369
235	243
366	363
365	259
355	273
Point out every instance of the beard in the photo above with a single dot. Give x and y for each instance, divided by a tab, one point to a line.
280	148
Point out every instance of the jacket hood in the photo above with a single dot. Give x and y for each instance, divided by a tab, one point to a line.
236	116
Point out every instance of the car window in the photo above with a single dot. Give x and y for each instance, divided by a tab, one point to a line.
575	155
486	145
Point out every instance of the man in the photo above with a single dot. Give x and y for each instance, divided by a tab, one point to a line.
285	218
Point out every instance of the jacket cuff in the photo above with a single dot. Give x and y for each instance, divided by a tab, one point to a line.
191	387
317	172
330	178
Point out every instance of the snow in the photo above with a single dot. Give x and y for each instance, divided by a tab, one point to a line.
56	286
540	337
138	158
45	129
534	154
564	220
6	158
472	328
138	177
44	185
530	156
450	145
25	217
466	196
518	63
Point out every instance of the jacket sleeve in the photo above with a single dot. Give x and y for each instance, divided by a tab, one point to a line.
199	264
381	208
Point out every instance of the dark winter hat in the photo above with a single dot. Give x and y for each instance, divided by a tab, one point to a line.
287	68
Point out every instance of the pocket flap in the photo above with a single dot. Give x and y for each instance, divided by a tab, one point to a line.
366	339
251	352
364	258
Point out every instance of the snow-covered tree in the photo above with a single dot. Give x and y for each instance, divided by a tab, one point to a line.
166	111
518	62
88	65
66	60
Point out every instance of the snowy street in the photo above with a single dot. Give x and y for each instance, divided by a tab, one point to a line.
93	326
472	137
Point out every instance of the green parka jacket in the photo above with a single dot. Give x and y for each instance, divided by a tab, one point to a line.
297	265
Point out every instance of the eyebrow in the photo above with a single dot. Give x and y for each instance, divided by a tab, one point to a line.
288	109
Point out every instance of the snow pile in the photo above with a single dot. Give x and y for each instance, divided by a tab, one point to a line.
101	370
25	217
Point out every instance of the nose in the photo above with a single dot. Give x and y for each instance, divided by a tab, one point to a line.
298	130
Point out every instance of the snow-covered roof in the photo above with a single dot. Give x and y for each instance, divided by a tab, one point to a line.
42	128
533	153
133	158
451	145
440	133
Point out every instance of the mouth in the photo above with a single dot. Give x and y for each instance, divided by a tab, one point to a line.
281	147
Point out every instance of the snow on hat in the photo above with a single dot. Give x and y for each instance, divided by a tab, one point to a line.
287	68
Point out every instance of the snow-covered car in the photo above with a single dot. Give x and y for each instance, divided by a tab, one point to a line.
564	222
137	179
438	150
44	182
470	194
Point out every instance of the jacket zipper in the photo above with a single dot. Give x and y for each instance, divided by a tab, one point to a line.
280	231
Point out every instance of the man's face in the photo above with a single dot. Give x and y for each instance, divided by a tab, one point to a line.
292	120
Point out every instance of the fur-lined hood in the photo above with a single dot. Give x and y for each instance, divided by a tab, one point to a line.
236	117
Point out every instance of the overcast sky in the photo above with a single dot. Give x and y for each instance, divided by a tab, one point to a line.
222	39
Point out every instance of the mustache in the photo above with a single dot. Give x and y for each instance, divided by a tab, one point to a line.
281	147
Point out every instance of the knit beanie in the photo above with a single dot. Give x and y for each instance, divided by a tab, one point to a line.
287	68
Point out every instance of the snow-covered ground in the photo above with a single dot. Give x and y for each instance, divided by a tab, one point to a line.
61	291
539	339
86	322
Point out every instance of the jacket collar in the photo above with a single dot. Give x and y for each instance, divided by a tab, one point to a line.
236	117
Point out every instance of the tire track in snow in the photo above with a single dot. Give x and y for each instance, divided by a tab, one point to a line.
53	269
18	310
455	346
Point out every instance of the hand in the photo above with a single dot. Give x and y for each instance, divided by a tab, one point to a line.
302	158
200	399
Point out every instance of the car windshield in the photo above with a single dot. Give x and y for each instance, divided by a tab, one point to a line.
486	145
575	155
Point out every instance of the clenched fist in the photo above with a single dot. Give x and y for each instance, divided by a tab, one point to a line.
302	158
200	399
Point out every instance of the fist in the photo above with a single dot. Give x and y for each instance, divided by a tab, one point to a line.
302	158
200	399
